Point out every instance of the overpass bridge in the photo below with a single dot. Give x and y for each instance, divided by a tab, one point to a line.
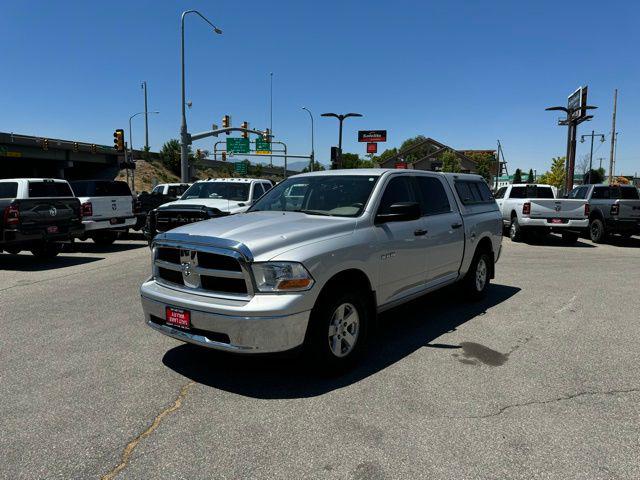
30	156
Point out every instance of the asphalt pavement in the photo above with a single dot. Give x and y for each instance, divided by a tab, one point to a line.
540	380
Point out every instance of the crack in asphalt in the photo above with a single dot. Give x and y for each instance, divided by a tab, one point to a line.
131	446
501	410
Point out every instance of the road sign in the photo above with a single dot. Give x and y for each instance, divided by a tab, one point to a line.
372	136
401	165
372	148
263	147
577	102
240	167
238	145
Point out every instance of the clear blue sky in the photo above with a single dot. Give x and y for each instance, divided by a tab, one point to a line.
463	72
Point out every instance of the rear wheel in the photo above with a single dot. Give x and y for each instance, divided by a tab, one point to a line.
337	331
515	231
569	238
104	238
46	251
478	277
597	231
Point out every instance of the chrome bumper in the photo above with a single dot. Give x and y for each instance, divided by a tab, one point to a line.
243	330
542	222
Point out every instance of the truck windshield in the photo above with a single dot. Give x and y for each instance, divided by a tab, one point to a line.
235	191
330	195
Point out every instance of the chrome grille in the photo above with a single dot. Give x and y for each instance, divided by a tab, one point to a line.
202	270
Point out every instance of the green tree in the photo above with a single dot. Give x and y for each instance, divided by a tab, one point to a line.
317	167
353	160
556	175
389	152
419	152
517	176
594	176
531	178
450	162
484	163
170	155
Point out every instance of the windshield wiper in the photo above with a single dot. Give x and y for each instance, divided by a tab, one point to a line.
313	212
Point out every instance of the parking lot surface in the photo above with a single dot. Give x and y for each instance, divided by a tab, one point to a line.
540	380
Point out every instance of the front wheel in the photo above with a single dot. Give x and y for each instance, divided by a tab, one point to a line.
337	331
597	231
477	279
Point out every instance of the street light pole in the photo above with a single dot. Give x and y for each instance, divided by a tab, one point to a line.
146	117
184	135
311	164
341	119
145	113
593	134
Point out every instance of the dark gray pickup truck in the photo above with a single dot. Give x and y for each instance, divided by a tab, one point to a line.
37	214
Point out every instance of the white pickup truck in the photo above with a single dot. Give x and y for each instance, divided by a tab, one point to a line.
107	208
533	208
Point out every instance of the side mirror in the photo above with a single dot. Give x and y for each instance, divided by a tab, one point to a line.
399	212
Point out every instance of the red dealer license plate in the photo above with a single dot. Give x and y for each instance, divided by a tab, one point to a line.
556	220
177	317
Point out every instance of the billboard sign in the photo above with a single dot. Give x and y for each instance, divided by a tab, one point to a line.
577	102
372	136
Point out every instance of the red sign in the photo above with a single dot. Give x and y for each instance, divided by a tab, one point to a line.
178	318
401	165
372	136
372	148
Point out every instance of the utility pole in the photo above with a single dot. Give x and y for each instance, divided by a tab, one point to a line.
593	134
146	117
613	135
271	113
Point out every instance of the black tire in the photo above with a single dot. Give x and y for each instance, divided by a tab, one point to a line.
320	344
597	231
104	239
477	279
569	238
515	231
46	251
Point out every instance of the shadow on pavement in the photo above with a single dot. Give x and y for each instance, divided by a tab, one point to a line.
118	246
29	263
555	241
401	331
625	242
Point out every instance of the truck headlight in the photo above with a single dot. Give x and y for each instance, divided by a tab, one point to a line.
281	277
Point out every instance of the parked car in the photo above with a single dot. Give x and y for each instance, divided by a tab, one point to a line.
38	213
107	208
161	194
613	209
206	199
531	208
313	274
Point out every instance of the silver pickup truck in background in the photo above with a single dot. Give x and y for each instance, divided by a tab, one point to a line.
531	208
311	262
613	209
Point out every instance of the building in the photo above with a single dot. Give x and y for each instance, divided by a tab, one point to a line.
506	180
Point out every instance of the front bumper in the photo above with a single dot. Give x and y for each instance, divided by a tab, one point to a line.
571	224
263	324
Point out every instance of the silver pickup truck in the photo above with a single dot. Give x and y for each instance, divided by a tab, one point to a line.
312	262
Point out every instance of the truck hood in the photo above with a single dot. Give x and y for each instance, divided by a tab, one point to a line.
268	234
218	203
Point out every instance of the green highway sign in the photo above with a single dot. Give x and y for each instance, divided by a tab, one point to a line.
240	167
263	147
238	145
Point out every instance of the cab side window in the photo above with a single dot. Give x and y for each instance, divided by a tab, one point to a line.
433	197
399	189
500	193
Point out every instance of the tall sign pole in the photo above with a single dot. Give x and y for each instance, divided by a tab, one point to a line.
613	135
146	117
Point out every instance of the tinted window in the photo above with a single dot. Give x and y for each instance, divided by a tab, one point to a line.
485	192
579	193
267	186
49	189
101	188
334	195
398	190
473	192
258	190
8	189
531	191
433	196
173	191
500	192
158	189
628	193
600	193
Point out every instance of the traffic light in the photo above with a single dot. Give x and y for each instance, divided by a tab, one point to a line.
226	123
118	140
224	156
94	148
45	144
335	158
245	125
76	147
267	134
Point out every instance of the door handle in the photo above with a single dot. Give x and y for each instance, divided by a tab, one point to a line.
456	225
420	232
